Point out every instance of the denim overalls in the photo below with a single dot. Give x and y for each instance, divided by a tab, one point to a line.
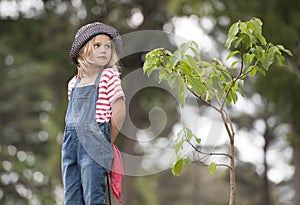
86	151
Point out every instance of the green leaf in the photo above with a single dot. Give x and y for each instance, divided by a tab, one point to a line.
247	69
288	52
197	86
168	53
253	71
225	72
267	62
153	60
233	53
208	96
261	39
228	43
183	48
212	168
237	42
149	63
206	64
244	28
178	146
235	97
188	134
246	59
257	25
247	41
198	140
258	52
279	59
175	58
240	82
241	92
234	29
192	62
182	91
196	51
281	47
234	63
171	79
232	96
162	74
177	168
272	51
252	56
262	71
228	100
187	161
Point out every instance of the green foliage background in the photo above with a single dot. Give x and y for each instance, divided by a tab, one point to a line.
35	69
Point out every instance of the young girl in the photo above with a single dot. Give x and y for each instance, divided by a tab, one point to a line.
95	114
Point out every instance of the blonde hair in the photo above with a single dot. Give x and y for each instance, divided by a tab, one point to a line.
86	60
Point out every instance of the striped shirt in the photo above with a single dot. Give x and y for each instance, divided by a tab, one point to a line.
110	90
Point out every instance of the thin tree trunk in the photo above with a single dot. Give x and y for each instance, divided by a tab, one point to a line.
232	174
230	131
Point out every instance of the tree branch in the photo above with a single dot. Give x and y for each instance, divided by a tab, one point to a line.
207	165
204	101
235	79
207	154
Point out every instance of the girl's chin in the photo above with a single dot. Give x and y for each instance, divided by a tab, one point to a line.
103	63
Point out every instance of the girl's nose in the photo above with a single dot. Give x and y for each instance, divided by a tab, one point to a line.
102	50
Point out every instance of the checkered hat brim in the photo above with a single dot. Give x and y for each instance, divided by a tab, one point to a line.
87	32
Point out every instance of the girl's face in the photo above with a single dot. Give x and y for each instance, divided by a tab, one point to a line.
102	49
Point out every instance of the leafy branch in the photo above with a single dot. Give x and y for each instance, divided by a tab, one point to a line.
213	83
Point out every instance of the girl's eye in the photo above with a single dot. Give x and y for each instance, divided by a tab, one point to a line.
96	46
107	46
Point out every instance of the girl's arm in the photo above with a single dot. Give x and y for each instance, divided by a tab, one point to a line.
117	118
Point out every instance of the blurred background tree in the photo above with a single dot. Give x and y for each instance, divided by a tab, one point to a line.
35	37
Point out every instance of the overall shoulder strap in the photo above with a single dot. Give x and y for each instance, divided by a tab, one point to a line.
97	81
76	82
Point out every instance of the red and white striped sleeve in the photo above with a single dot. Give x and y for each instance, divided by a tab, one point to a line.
71	85
114	87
